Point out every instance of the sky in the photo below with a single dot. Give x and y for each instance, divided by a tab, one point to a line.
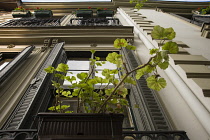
103	0
65	0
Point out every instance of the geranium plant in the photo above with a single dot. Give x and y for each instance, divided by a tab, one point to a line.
21	12
41	9
20	8
139	3
43	13
108	98
204	10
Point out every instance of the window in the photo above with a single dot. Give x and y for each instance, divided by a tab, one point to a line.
78	61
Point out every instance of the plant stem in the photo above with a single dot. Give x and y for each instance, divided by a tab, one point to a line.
78	103
118	85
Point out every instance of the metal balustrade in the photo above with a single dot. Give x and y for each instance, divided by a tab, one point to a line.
31	22
94	22
32	134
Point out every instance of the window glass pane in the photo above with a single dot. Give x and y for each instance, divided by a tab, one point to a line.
99	74
107	65
78	65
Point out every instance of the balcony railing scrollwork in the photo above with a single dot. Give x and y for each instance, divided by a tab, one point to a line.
94	22
32	134
20	134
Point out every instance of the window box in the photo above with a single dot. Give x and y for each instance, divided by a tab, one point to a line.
80	126
200	14
84	13
20	13
43	13
105	13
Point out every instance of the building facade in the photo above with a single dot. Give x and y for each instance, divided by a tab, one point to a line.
31	45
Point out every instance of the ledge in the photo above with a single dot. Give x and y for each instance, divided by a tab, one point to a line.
203	83
188	59
195	71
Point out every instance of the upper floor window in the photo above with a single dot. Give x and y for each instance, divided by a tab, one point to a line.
78	65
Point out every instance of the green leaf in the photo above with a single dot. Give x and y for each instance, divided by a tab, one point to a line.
70	79
63	107
69	111
130	47
158	32
62	67
49	69
98	64
115	81
103	62
164	55
115	59
114	71
109	91
156	83
123	102
82	75
66	93
101	80
55	84
92	51
52	108
169	33
147	69
163	33
97	58
158	58
130	80
75	92
172	47
163	65
153	51
123	91
118	43
61	76
92	61
92	81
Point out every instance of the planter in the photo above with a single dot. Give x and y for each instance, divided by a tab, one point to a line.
199	13
19	13
43	13
80	126
105	13
84	13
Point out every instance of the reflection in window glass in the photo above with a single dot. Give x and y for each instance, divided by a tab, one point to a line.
107	65
78	65
3	65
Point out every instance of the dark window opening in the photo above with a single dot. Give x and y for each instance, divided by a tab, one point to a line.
6	57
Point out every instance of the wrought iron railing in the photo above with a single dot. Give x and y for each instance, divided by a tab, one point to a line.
94	22
21	134
31	22
156	135
32	134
